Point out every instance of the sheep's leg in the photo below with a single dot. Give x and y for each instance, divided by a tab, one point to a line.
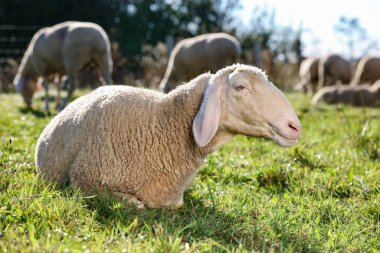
178	203
103	64
45	85
308	88
71	83
58	87
129	199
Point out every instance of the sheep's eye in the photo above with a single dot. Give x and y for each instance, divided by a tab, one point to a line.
239	87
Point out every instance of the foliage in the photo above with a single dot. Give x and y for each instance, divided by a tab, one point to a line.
153	62
355	37
132	23
322	195
148	22
262	28
135	24
282	42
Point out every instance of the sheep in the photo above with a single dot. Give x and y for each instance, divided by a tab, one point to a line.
194	56
63	49
332	69
146	146
308	74
367	71
363	95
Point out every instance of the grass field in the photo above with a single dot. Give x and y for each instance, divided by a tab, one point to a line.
322	195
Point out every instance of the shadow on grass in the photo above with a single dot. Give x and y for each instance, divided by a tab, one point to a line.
35	112
195	221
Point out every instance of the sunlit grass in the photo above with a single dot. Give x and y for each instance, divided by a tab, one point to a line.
250	195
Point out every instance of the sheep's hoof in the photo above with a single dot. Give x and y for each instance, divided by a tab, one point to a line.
129	199
177	204
136	202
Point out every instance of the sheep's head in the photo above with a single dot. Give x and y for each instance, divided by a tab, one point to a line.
240	99
169	83
171	79
166	87
326	94
26	87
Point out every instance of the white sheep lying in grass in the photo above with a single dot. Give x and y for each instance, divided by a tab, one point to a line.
63	49
357	95
147	146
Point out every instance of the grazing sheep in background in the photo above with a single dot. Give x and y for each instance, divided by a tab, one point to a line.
308	74
63	49
147	146
197	55
367	71
363	95
333	69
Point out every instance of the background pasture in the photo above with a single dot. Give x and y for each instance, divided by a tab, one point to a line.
321	195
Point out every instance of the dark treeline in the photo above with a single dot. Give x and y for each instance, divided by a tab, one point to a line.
132	23
137	27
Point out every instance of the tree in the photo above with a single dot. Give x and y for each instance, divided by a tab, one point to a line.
150	21
283	42
132	23
262	28
354	36
286	44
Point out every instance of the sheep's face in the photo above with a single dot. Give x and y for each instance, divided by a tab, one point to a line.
26	87
166	88
328	96
170	83
243	101
253	106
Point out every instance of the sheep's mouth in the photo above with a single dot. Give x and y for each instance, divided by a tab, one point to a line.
273	133
283	140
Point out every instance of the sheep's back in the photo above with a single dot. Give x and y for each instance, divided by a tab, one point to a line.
87	123
208	52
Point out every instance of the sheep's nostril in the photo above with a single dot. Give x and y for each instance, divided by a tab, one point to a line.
295	127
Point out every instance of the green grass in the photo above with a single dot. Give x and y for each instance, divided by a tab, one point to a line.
322	195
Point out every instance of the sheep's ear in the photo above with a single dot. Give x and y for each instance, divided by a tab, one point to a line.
206	121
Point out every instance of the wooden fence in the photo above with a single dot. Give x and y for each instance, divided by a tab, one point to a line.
14	40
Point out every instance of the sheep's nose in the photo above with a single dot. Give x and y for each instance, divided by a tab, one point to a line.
295	128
